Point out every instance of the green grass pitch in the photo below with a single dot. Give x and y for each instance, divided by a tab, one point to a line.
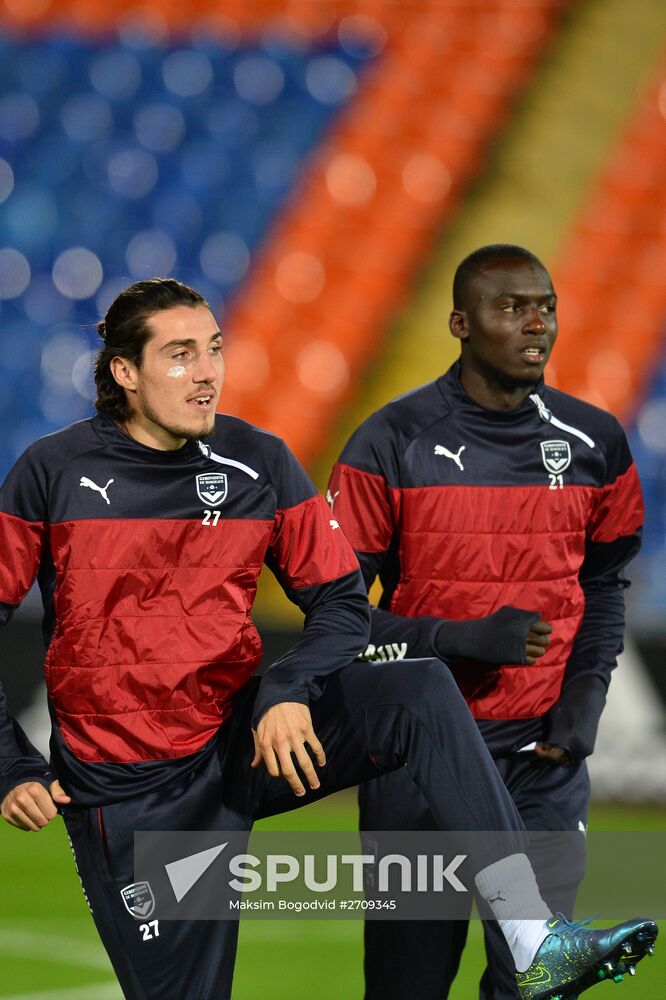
49	948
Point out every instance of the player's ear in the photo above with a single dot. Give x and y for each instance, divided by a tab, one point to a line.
124	372
458	324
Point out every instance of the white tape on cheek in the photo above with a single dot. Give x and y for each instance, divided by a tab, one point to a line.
176	372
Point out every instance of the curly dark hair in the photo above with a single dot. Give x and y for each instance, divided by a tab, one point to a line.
125	332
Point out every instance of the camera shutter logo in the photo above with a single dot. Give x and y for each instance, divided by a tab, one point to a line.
556	455
212	488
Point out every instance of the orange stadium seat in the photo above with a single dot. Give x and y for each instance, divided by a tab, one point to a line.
611	278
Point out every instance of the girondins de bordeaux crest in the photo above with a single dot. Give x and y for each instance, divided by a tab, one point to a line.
138	899
212	488
556	455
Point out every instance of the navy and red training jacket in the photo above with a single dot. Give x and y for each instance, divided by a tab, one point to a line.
148	563
461	509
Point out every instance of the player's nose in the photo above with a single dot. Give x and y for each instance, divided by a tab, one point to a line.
534	322
204	369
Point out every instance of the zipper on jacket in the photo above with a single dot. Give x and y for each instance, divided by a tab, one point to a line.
547	416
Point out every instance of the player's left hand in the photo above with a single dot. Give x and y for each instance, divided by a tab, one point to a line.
558	755
282	735
30	806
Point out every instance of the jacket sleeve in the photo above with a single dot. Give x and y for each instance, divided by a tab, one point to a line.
613	539
366	507
22	532
317	569
395	637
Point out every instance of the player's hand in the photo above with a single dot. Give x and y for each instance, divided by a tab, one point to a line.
538	640
281	738
558	755
30	806
508	635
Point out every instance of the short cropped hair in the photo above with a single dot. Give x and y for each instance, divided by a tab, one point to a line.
124	331
469	267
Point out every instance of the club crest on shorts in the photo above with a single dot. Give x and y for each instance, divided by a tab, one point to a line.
138	899
212	488
556	455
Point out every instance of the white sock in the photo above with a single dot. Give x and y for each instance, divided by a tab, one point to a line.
524	938
511	891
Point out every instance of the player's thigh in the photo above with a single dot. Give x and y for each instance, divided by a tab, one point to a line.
370	714
394	802
339	719
548	796
153	958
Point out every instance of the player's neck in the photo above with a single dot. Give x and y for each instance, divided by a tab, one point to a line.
146	431
492	391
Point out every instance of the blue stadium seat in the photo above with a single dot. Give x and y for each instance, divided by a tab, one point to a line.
648	444
129	152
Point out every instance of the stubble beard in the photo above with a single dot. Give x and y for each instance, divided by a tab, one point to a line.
205	430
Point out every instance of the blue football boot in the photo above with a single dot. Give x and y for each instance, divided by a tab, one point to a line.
572	958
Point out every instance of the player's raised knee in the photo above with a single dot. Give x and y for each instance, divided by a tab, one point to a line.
427	680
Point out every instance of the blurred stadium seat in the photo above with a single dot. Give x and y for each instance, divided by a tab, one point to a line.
123	157
293	164
613	293
378	191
